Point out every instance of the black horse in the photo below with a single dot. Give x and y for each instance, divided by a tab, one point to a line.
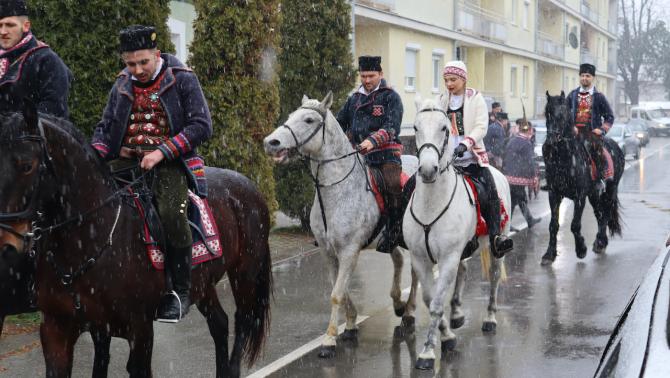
568	175
90	269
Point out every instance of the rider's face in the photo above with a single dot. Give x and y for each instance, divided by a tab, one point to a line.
12	29
455	84
370	80
586	79
142	63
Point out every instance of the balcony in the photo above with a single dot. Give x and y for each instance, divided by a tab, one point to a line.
586	56
540	104
385	5
548	46
590	13
481	23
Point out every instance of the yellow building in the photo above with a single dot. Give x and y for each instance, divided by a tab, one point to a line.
515	50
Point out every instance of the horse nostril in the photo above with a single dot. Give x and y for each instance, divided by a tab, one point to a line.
274	143
435	168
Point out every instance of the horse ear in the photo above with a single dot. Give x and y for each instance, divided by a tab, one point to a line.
548	96
563	95
327	101
30	115
304	99
417	101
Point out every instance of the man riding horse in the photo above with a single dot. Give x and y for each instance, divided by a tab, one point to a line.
371	119
466	109
156	113
593	116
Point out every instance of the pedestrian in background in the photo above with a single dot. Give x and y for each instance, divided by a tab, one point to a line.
495	140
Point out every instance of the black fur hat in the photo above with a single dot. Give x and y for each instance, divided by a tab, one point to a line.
587	68
9	8
369	63
137	37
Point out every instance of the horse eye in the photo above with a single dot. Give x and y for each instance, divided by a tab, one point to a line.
309	120
26	167
444	128
415	129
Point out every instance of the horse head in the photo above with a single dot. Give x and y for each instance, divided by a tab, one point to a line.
431	128
305	130
558	116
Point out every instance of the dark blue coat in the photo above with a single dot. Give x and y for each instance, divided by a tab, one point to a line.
377	118
186	109
519	160
601	112
34	71
494	141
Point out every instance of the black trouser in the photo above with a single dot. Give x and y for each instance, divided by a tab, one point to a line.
393	190
594	146
489	201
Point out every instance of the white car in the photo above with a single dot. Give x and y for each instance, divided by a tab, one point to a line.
626	140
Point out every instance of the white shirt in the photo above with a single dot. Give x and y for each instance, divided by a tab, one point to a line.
361	89
455	102
587	90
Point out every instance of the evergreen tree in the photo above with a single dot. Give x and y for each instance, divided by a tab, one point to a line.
315	58
85	34
232	53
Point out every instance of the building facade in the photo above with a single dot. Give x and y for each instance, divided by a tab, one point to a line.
515	50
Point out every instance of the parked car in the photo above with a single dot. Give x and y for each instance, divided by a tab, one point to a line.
640	343
540	127
640	131
624	137
656	115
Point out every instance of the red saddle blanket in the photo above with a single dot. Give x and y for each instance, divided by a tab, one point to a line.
482	229
609	169
378	194
200	252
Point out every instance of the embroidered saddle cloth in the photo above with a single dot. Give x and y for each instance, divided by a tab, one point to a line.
482	229
206	239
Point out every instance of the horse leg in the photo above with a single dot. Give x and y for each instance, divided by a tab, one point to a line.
350	329
408	318
602	217
554	205
141	343
457	315
101	341
490	323
58	337
344	267
398	305
576	227
217	321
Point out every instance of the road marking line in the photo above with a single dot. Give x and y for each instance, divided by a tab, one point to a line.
303	350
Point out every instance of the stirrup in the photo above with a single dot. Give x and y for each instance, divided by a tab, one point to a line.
172	320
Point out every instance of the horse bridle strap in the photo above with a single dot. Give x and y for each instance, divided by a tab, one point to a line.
321	127
428	227
439	151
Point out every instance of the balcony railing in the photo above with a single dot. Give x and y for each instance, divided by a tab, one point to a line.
590	13
480	22
387	5
586	56
548	46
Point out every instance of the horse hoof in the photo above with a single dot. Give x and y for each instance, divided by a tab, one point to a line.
349	334
581	252
547	260
489	327
448	345
425	364
327	351
599	248
456	323
400	311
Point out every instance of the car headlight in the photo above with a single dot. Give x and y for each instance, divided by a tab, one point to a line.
640	135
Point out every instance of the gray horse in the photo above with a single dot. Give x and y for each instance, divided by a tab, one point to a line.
344	215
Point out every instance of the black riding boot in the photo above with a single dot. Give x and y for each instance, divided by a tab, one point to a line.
175	304
392	231
500	244
528	216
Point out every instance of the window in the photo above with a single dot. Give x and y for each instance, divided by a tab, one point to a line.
526	14
178	38
524	81
410	69
515	10
512	84
437	72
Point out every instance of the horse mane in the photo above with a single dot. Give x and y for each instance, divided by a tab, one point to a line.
429	103
558	117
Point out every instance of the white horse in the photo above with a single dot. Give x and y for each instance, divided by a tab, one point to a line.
344	215
437	226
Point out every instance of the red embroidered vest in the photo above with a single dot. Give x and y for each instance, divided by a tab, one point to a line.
584	104
148	125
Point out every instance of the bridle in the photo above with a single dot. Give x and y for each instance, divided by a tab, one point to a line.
439	151
321	162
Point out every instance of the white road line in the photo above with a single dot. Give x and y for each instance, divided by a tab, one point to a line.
303	350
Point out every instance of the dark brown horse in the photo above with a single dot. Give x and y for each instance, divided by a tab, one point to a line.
91	269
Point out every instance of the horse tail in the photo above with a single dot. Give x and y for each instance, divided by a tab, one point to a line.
611	201
613	204
251	279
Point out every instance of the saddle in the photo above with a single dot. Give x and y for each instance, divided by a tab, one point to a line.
477	187
608	170
206	238
378	187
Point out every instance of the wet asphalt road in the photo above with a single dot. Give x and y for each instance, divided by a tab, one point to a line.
552	321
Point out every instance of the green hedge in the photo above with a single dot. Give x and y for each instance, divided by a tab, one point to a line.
232	54
85	35
315	58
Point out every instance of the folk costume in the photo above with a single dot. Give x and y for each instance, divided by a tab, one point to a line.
495	140
469	125
168	113
519	169
590	110
376	116
31	69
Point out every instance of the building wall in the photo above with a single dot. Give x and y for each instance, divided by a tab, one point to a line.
432	12
180	23
513	100
518	35
572	55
